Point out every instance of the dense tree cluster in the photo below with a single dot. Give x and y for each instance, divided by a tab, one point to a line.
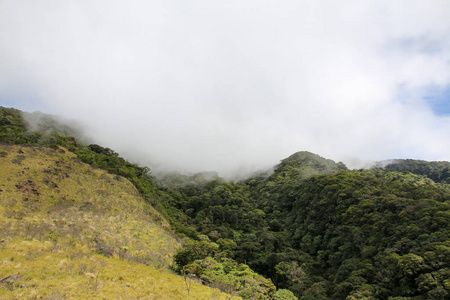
345	235
368	234
439	171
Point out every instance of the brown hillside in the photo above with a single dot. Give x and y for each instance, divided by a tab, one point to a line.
72	231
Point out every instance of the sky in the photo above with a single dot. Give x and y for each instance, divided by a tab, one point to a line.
236	86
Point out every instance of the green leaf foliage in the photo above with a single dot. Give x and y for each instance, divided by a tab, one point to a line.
231	277
283	294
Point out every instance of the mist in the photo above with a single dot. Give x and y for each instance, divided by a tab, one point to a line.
235	86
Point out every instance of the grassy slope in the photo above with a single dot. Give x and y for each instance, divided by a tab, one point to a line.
72	231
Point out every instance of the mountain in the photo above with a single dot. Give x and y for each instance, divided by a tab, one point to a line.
438	171
34	128
73	230
305	164
311	229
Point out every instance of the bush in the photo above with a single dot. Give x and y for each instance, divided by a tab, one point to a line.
284	294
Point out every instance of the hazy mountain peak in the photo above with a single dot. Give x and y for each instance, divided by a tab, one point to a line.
304	164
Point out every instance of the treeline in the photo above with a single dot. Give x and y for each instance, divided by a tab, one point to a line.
439	171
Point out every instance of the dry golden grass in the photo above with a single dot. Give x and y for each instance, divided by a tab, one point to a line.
75	232
77	273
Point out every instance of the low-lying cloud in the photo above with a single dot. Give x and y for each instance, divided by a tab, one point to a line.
235	85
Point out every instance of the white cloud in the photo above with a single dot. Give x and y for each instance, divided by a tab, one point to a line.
218	85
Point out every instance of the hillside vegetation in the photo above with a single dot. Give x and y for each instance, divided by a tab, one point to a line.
372	234
73	231
312	229
438	171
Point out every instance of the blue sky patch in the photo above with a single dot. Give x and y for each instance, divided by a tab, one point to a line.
439	100
23	99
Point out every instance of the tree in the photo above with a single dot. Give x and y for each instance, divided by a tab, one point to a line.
283	294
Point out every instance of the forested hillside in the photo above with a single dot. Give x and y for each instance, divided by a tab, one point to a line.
311	228
372	234
439	171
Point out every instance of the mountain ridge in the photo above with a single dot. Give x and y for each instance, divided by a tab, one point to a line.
439	171
312	228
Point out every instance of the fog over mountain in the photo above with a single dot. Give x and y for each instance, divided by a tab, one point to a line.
236	85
